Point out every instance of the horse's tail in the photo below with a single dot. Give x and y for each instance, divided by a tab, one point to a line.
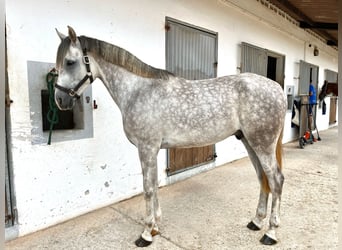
279	150
279	157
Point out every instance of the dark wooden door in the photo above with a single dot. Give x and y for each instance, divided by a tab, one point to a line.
332	113
191	52
332	77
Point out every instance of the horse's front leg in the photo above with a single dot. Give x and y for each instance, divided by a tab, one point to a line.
148	159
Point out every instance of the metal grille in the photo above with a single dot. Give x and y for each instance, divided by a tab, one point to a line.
307	72
195	50
253	59
331	76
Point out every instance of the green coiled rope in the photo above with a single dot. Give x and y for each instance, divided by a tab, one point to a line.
52	115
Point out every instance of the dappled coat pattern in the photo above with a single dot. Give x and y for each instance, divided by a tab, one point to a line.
160	110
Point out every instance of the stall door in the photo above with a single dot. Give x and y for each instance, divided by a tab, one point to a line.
333	108
262	62
332	77
191	52
307	73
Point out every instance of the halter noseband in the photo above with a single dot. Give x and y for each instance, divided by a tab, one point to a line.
73	91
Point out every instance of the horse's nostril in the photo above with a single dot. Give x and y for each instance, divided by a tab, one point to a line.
59	100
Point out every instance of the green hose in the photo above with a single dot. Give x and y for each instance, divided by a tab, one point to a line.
52	115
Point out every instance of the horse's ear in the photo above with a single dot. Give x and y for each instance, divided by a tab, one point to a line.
61	35
72	35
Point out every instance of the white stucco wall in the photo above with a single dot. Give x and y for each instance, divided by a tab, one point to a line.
54	183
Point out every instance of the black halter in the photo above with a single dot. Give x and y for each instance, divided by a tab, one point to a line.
73	91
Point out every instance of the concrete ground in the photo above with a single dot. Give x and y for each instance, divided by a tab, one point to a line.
211	210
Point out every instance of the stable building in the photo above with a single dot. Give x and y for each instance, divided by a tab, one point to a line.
89	163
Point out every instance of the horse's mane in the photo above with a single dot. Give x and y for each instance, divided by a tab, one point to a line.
115	55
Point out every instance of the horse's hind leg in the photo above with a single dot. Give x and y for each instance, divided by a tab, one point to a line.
261	212
271	180
275	181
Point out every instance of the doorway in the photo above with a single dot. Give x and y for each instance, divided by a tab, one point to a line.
191	53
271	67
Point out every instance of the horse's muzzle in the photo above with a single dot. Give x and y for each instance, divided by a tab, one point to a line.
64	101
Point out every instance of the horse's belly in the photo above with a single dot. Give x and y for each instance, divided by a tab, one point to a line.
196	138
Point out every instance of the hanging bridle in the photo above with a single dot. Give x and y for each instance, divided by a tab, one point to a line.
323	92
72	92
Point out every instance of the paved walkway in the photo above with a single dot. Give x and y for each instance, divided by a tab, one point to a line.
211	210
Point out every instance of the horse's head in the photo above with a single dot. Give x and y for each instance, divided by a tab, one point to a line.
323	92
74	74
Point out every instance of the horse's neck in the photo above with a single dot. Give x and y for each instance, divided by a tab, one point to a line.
121	84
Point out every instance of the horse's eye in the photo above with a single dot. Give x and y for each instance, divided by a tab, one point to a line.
70	62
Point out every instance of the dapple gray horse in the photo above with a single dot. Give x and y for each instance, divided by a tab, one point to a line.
160	110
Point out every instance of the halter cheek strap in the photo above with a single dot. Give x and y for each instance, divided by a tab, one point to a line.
87	64
73	91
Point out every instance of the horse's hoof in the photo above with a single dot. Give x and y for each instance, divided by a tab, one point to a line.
252	226
141	242
266	240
